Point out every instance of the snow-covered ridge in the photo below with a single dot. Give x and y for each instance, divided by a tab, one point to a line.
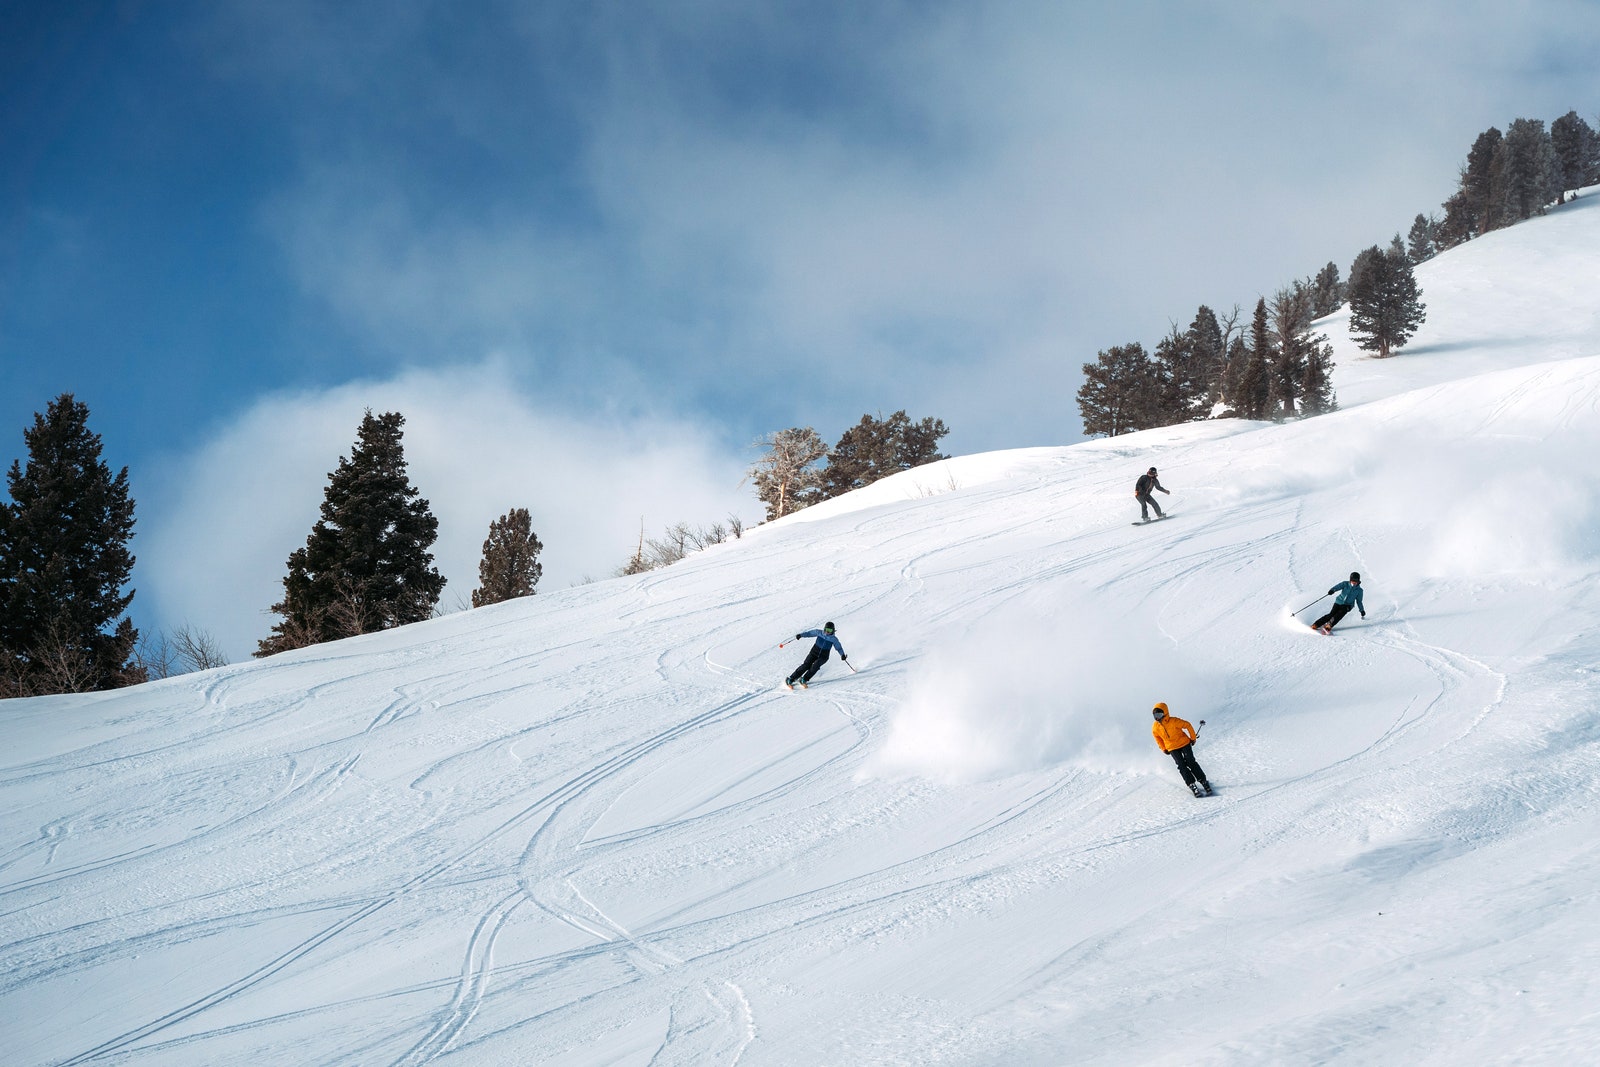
588	828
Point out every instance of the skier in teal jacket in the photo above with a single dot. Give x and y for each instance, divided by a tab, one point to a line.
1349	596
826	642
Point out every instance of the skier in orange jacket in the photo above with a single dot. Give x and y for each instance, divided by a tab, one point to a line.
1176	739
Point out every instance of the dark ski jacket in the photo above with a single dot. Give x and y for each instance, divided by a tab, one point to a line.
824	642
1146	484
1348	594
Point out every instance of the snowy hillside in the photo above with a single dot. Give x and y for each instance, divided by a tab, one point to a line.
589	828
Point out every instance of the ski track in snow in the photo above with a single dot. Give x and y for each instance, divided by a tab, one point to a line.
588	828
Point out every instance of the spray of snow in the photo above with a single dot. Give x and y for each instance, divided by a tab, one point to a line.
1021	691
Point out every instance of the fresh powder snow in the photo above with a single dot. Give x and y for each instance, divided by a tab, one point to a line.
591	827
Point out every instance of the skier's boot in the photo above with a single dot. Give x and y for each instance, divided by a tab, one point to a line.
1197	790
1207	787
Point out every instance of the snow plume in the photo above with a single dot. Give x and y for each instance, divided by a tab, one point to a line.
1022	690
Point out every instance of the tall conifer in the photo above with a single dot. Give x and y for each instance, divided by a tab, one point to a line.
64	561
366	565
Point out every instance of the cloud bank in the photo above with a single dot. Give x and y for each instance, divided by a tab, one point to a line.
225	518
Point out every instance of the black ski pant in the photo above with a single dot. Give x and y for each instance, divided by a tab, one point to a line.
813	663
1184	758
1331	619
1146	502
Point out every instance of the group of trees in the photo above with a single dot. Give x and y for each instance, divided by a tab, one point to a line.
1274	367
65	562
1509	177
796	469
367	564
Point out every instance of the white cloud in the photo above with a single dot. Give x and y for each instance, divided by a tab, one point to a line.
228	516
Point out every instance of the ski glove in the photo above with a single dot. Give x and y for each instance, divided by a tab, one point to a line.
798	636
843	658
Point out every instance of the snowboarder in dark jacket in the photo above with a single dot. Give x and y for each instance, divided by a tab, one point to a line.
1349	596
826	643
1176	738
1141	491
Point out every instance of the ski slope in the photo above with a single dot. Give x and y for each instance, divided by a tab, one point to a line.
590	828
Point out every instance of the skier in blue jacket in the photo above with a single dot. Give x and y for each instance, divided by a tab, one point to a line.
1349	597
826	643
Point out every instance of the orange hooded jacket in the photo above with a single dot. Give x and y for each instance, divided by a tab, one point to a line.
1171	732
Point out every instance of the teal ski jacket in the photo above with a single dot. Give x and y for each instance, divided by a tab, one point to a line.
1348	594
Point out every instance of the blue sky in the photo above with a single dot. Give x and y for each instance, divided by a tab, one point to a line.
593	250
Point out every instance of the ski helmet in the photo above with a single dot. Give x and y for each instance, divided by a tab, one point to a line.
1355	576
1152	470
827	628
1159	710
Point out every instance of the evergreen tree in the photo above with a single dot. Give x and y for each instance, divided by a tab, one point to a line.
1179	389
786	476
876	448
1420	239
64	561
1316	386
1117	391
1385	304
1577	151
1523	174
1327	291
1397	247
510	566
1291	322
1456	226
1208	356
1477	185
366	565
1233	376
1255	384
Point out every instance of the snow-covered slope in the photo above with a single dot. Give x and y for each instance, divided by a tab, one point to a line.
588	828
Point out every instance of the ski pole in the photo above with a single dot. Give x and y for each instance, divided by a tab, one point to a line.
853	670
1313	604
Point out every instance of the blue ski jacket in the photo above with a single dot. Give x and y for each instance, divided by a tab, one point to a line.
824	641
1348	594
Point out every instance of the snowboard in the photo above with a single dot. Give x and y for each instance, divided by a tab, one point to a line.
1147	522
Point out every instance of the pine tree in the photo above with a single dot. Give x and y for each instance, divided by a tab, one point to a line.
1577	150
786	476
510	566
1385	304
1291	321
1179	387
1117	390
1477	183
1524	174
1327	291
64	561
875	448
1456	226
1316	386
1255	384
1208	349
1420	239
366	565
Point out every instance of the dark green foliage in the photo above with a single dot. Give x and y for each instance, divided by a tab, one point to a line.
1255	383
1118	392
1477	185
1291	322
1577	151
1327	291
1457	224
510	566
1420	244
1523	176
877	448
366	565
64	560
1385	304
1316	385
